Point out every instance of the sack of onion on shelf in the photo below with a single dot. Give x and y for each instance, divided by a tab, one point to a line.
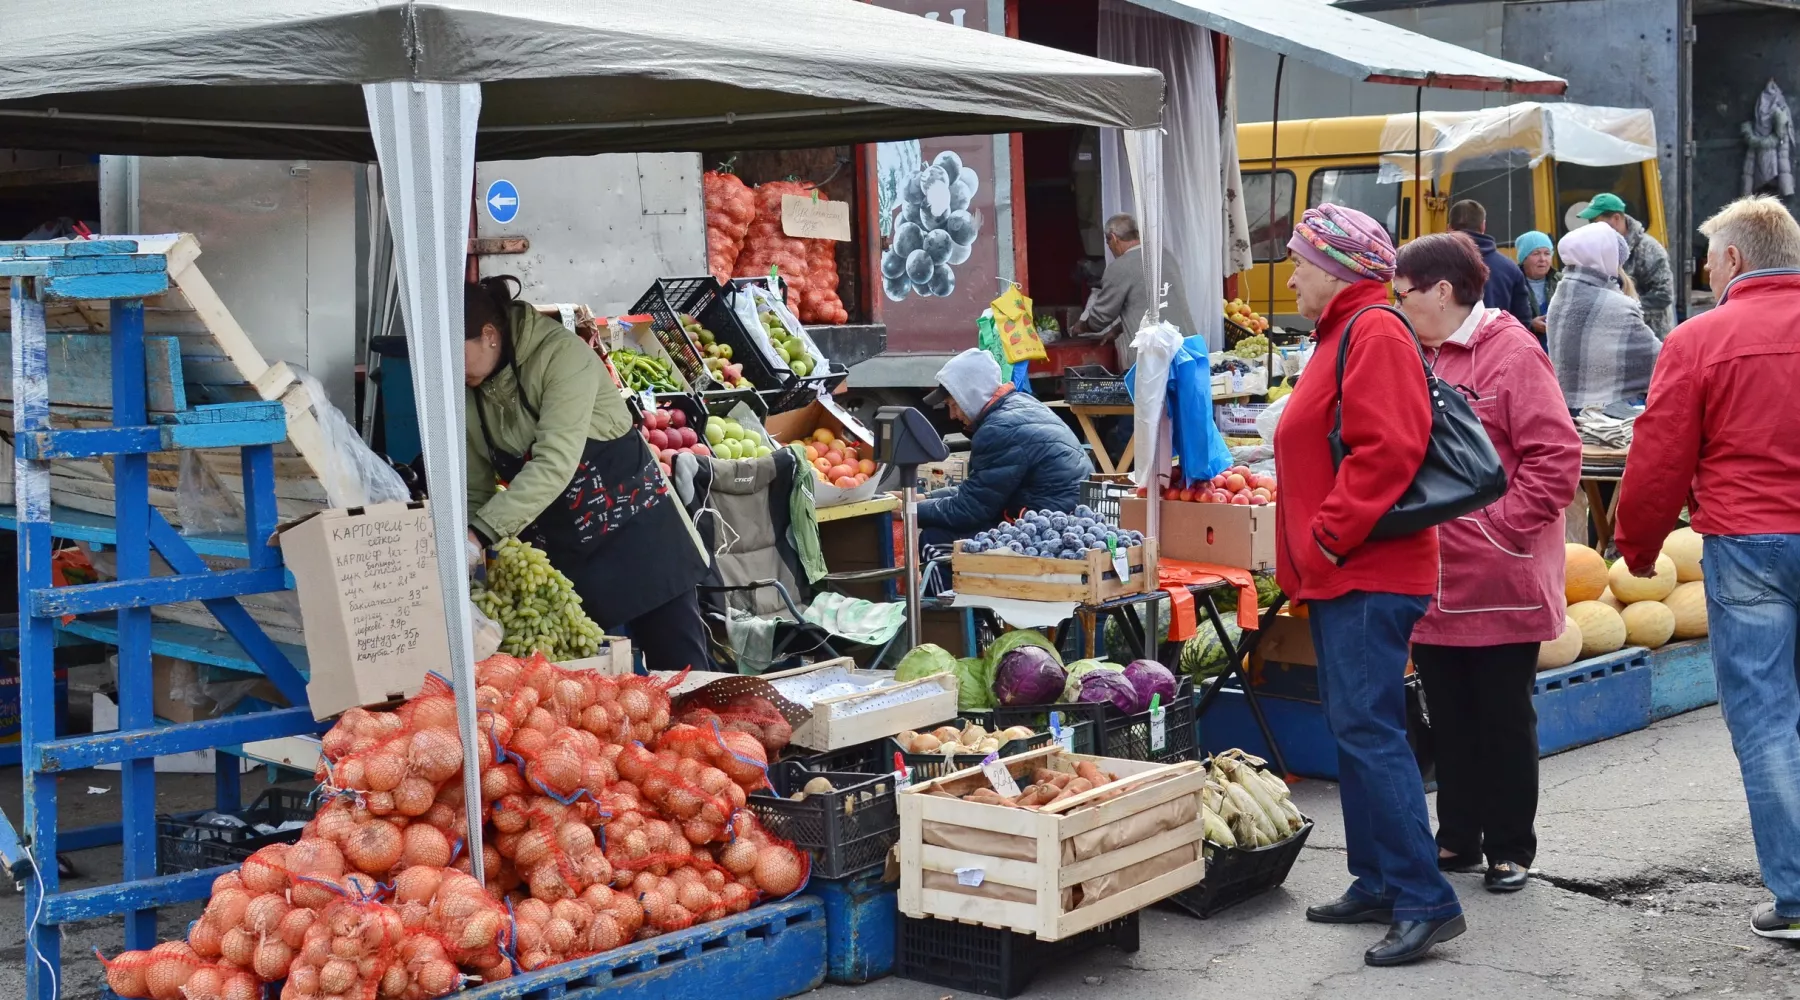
602	824
744	713
535	604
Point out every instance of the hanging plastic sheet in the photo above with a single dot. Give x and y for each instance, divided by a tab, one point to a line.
1572	133
1196	438
424	137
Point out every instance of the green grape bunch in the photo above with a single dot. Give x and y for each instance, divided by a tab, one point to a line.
536	604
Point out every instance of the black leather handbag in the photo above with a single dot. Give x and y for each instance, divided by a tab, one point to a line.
1461	471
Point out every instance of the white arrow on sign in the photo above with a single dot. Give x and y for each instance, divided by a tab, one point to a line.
503	201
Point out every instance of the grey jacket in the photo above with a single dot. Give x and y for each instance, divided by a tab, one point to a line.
1648	266
1122	298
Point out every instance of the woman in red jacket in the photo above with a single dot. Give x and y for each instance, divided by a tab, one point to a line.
1363	596
1500	592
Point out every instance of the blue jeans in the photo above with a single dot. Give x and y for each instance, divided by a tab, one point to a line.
1362	639
1752	591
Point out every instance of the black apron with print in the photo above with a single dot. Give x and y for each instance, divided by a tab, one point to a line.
614	531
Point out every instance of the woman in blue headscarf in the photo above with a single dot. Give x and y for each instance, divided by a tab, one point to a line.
1535	259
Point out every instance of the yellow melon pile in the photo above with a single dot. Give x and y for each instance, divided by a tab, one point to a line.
1609	609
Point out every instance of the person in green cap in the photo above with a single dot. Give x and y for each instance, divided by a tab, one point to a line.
1647	264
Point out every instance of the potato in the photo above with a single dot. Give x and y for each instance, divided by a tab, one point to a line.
818	785
925	743
946	734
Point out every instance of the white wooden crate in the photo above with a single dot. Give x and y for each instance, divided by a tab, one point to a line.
1145	786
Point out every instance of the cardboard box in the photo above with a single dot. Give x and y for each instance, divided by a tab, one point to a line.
822	412
368	583
1219	533
189	692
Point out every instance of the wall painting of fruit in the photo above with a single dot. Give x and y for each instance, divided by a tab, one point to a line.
927	218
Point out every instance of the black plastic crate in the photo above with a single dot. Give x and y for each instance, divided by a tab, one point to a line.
858	758
1086	734
1126	737
1093	385
1102	495
925	766
788	391
185	844
666	299
990	961
1234	874
844	830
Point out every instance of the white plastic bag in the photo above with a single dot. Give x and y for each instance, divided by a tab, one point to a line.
202	503
1268	418
354	474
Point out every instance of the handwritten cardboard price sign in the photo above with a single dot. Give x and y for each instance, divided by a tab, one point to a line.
815	218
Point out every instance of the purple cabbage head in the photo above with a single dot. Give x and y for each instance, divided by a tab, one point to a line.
1028	675
1105	686
1150	678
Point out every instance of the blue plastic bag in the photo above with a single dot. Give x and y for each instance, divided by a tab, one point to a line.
1197	443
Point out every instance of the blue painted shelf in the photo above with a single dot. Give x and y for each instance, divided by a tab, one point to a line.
186	642
99	529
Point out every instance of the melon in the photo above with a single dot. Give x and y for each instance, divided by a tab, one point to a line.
1648	624
1584	574
1562	650
1632	589
1688	602
1607	598
1685	547
1602	630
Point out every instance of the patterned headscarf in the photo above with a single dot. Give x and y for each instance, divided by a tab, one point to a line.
1345	243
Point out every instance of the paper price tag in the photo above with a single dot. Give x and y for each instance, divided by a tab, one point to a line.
647	399
902	779
970	876
814	218
1159	729
1121	562
999	777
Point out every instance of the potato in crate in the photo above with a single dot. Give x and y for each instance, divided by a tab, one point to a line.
1050	843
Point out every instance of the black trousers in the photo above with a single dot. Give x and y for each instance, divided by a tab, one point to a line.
672	635
1484	731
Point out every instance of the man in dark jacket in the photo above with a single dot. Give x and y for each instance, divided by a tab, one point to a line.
1021	455
1506	283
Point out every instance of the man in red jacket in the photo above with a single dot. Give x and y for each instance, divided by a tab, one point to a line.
1363	596
1721	434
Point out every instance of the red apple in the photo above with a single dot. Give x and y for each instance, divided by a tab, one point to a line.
1220	496
659	438
1170	493
1263	482
1241	499
666	454
677	418
1143	491
1235	482
702	450
689	437
1257	500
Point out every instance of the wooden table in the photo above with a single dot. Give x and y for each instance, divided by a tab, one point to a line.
1601	465
1084	415
881	503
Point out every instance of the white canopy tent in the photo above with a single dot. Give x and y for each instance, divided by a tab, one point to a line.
425	86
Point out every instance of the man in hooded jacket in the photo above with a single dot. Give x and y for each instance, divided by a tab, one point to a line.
1021	455
1506	288
1647	262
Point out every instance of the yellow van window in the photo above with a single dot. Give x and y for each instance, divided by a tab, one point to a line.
1577	185
1356	187
1269	242
1506	194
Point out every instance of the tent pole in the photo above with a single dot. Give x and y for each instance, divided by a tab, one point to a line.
1418	132
1274	176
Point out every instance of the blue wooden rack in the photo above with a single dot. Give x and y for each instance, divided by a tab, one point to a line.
118	272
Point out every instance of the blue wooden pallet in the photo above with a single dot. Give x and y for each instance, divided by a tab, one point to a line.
773	951
1682	678
862	920
1592	700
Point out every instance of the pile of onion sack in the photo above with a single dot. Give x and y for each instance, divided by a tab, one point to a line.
604	824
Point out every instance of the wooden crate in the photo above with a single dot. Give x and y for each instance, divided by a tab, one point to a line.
1033	578
206	357
613	659
844	721
1146	786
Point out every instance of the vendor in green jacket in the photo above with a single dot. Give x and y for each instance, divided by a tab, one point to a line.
546	422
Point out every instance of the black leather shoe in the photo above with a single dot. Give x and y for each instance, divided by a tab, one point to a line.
1506	876
1350	909
1409	940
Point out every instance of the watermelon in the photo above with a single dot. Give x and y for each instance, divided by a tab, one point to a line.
1204	655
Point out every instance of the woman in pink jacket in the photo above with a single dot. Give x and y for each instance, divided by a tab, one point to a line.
1500	581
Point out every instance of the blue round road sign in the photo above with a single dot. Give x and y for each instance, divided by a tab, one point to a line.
502	201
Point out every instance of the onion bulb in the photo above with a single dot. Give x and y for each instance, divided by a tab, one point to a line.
271	959
125	974
374	847
425	847
435	754
265	912
337	977
166	974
